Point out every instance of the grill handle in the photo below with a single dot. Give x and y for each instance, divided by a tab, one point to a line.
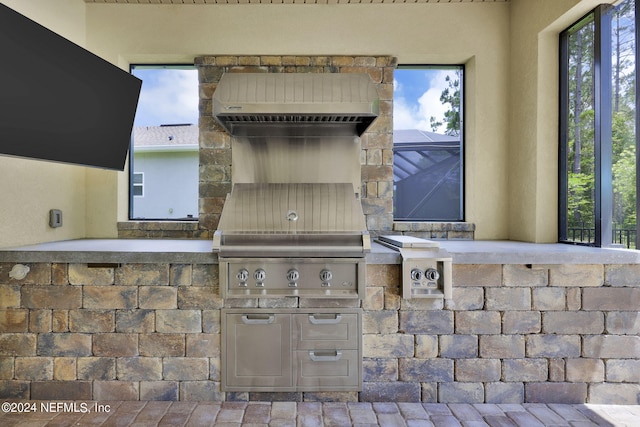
341	251
325	356
258	319
316	319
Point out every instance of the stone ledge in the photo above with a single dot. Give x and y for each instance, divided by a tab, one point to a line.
436	230
161	230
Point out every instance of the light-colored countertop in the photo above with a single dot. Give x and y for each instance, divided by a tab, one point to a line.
115	251
510	252
200	252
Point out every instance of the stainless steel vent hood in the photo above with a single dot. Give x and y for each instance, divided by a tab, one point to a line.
295	104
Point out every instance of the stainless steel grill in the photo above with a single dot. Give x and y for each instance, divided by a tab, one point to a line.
292	239
293	223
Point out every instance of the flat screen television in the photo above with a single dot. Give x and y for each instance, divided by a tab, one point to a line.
60	102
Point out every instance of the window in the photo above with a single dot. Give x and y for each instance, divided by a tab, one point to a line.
164	152
598	143
427	143
138	184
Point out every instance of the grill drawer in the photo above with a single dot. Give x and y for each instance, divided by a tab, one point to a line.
328	331
327	369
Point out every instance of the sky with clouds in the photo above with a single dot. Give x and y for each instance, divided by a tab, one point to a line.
170	96
417	98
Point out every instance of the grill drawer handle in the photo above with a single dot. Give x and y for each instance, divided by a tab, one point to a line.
325	356
257	319
315	320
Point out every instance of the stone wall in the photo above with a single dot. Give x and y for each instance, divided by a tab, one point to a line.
512	333
102	332
161	230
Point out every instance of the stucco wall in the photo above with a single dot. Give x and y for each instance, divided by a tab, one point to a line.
509	49
415	34
30	188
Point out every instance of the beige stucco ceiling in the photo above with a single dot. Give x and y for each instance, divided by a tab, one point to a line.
289	1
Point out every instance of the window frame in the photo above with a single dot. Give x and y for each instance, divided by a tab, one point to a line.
135	184
131	216
603	117
637	128
462	187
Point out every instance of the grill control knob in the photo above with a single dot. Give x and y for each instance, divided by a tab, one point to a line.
259	275
416	274
293	275
243	276
432	274
326	275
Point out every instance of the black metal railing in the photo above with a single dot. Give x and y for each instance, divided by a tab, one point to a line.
622	235
625	236
581	234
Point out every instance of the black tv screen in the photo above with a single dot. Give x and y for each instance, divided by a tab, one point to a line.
60	102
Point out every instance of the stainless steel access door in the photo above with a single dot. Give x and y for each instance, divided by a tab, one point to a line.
257	352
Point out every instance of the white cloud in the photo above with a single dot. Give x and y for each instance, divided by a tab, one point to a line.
408	115
430	106
404	115
171	98
397	86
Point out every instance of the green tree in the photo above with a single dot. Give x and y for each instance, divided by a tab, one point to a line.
581	121
624	188
450	96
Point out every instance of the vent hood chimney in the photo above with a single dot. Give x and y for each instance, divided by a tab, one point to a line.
295	104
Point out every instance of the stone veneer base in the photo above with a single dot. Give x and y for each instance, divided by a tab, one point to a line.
151	331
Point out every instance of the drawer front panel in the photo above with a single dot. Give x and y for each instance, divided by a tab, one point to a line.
315	331
327	370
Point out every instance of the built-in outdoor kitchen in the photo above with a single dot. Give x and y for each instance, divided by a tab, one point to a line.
292	228
297	286
292	291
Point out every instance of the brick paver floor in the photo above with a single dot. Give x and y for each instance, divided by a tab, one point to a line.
311	414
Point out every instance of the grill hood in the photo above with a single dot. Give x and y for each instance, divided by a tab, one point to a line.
295	104
276	219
